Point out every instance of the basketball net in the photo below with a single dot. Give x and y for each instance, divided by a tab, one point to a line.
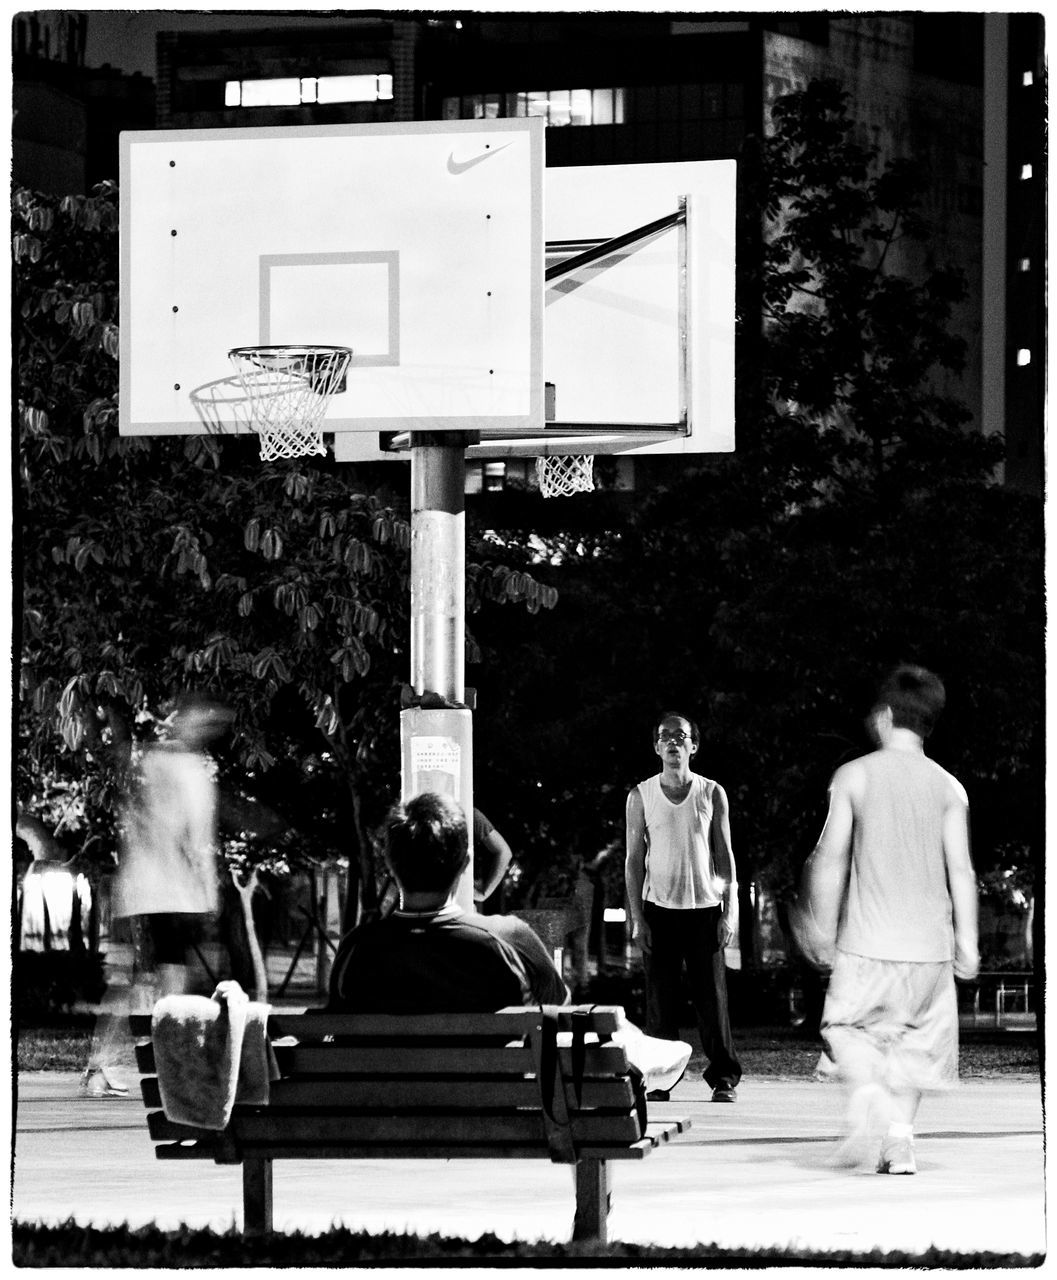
288	389
562	476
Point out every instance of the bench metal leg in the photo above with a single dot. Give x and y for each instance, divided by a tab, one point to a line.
592	1200
256	1196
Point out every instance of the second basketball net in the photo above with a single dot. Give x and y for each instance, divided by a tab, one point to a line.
564	475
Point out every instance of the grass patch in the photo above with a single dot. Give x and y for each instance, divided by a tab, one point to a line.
776	1053
787	1054
71	1245
58	1045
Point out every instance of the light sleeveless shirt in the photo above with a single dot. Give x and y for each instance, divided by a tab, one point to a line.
898	906
680	869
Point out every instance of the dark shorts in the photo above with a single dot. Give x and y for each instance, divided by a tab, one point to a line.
171	935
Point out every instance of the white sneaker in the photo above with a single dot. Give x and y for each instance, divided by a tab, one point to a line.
897	1156
97	1083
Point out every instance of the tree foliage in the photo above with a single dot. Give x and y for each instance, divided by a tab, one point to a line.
858	524
153	565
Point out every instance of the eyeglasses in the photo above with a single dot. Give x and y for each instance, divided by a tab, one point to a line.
675	735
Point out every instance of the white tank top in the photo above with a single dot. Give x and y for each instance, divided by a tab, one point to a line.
680	870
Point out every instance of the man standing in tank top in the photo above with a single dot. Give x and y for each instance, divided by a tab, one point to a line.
890	907
683	895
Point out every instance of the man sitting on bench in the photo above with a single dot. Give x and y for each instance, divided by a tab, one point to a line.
430	955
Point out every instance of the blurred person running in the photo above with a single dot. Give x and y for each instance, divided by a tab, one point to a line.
889	904
166	882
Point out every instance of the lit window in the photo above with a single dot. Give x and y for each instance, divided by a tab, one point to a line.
580	106
271	93
1023	264
556	106
1025	172
559	107
1023	356
309	89
602	106
1028	79
355	88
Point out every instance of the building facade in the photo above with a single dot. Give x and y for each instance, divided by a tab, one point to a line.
964	93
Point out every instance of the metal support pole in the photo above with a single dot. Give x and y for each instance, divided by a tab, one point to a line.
438	565
436	737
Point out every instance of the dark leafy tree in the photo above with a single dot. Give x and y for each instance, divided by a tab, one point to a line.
149	566
858	524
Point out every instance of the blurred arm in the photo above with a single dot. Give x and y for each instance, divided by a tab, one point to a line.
635	865
817	913
491	857
961	879
723	856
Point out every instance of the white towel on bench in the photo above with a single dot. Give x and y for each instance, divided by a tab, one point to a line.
210	1053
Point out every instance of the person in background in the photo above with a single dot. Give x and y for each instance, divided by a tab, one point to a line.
491	858
889	906
683	897
166	883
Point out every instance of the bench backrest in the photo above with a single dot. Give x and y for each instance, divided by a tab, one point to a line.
548	1082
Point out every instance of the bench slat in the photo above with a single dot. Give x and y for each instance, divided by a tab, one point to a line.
599	1060
470	1151
457	1095
452	1095
513	1022
604	1021
629	1151
392	1128
290	1128
287	1127
161	1129
468	1061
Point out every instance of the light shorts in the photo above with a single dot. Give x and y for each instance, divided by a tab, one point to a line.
892	1021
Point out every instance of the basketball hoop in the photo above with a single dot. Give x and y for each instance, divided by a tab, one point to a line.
565	474
288	390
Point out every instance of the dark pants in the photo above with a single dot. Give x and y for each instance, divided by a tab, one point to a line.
688	941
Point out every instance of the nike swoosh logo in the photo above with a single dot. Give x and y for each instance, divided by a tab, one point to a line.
460	166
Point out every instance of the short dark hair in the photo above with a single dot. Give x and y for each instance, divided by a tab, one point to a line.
426	842
695	733
915	696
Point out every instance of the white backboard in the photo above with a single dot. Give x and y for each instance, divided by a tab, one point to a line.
417	245
423	247
614	333
638	346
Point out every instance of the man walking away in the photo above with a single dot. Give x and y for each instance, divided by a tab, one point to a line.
889	904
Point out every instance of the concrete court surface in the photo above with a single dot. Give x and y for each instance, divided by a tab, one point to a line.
749	1175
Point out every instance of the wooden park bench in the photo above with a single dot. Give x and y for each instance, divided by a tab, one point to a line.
504	1085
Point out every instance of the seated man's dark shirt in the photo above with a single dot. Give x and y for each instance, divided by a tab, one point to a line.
444	961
